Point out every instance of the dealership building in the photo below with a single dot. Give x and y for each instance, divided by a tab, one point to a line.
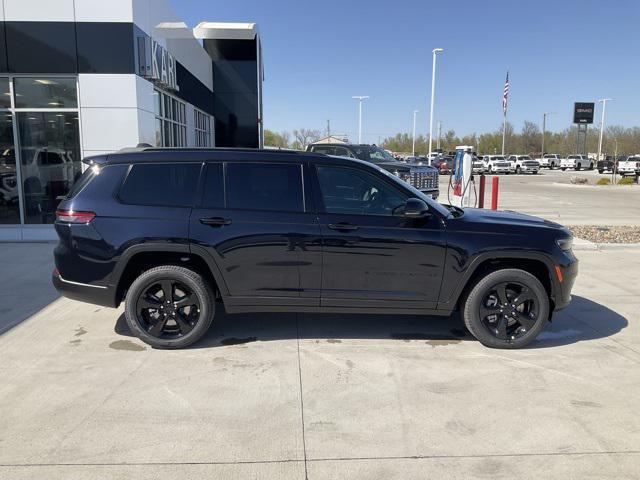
86	77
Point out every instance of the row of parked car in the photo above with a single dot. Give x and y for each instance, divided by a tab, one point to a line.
507	164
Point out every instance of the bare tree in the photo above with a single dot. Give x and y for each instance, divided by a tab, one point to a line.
304	137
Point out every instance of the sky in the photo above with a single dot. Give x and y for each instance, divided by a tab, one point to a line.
317	55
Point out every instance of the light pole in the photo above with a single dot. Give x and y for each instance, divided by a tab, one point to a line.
360	98
544	127
439	136
413	146
435	51
604	107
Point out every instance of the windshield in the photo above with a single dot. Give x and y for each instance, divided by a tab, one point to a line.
573	157
549	156
377	155
497	157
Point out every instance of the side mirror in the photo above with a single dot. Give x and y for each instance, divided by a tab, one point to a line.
416	208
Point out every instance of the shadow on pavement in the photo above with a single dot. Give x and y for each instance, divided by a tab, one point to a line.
582	320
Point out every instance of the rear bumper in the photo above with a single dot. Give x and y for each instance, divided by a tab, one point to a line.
97	295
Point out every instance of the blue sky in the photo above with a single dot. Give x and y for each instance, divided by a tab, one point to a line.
319	54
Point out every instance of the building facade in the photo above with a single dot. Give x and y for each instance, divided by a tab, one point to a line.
85	77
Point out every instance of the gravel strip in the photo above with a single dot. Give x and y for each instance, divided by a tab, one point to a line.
600	234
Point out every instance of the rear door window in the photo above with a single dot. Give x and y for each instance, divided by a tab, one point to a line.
161	184
265	186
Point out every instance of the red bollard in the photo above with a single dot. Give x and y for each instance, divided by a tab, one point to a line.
494	193
481	193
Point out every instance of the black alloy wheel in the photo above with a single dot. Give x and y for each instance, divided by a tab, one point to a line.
509	310
170	306
168	310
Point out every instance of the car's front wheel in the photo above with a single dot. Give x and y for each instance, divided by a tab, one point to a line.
506	309
169	306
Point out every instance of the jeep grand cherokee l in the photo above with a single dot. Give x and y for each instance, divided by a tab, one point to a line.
173	232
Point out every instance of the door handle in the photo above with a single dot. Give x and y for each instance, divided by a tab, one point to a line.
343	226
215	221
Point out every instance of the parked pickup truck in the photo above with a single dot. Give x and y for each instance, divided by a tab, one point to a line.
550	160
577	162
524	164
497	164
608	164
630	166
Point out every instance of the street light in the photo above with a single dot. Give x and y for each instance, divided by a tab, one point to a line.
544	125
413	147
360	98
435	51
604	107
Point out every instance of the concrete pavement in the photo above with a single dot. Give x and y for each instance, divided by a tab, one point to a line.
327	396
550	195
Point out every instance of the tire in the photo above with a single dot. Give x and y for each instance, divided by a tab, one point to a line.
578	166
591	166
553	166
193	324
563	168
535	172
518	170
513	334
600	171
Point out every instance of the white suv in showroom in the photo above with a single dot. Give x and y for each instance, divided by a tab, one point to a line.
577	162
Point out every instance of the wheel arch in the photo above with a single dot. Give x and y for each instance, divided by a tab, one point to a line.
139	258
538	264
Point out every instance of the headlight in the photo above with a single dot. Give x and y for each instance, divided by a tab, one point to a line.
565	244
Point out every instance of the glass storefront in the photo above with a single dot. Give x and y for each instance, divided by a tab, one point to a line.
46	136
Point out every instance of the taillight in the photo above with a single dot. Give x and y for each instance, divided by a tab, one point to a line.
71	216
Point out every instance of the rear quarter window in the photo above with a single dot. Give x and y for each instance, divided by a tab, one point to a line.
84	180
161	184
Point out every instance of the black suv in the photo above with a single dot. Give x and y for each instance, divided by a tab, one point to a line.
175	232
421	176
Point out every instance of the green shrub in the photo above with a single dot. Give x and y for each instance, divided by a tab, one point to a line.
626	181
604	181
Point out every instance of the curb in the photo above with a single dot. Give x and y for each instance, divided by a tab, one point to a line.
596	247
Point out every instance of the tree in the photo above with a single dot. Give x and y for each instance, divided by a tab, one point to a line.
304	137
275	139
530	138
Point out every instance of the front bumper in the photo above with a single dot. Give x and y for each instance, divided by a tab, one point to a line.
97	295
526	169
569	272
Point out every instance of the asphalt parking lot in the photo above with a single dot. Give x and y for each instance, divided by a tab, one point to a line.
550	195
329	396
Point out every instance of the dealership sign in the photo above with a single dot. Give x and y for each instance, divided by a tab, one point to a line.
583	112
156	63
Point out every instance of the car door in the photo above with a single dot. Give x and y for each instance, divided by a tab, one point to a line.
372	255
261	230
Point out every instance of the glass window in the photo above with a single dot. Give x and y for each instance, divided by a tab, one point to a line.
5	94
34	47
201	123
167	184
45	92
265	186
50	161
350	191
170	115
213	195
9	210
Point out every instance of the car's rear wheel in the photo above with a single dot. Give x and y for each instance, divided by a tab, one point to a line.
169	306
518	170
578	166
600	171
563	168
591	166
506	309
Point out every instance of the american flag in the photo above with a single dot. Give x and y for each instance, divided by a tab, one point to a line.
505	96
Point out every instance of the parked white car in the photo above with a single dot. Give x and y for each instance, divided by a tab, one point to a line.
550	160
524	164
478	165
497	164
576	162
630	166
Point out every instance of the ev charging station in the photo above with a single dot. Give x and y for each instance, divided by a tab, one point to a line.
462	176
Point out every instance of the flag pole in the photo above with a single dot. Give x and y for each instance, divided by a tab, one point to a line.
504	130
